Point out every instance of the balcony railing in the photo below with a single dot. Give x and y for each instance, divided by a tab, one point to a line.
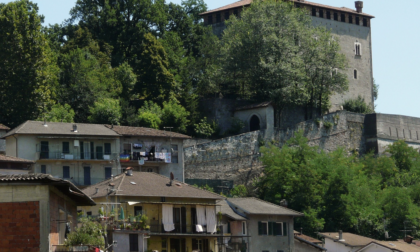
137	156
157	228
54	155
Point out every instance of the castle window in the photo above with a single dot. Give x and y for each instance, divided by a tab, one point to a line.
218	18
328	15
313	12
365	22
335	16
355	74
235	12
358	49
321	13
351	19
210	19
343	17
357	20
226	15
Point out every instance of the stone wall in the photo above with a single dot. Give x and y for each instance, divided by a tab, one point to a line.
237	158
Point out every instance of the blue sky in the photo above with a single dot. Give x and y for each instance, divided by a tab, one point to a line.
395	39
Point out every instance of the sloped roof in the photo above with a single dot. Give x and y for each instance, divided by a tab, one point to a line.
256	206
148	184
244	3
4	127
254	106
58	128
305	237
228	211
301	239
64	186
140	131
397	246
350	239
4	158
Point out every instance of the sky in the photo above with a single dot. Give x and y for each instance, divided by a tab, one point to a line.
394	42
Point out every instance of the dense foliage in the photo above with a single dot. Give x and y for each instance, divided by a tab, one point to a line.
358	105
88	232
336	191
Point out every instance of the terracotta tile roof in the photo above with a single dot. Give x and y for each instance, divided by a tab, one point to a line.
58	128
4	158
148	184
350	239
253	106
228	211
140	131
4	127
65	186
244	3
253	205
308	238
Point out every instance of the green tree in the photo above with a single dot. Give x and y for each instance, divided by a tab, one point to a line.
358	106
58	113
239	191
150	115
89	232
174	115
204	129
105	111
28	73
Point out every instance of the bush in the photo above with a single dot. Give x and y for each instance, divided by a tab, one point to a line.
90	232
107	111
58	113
204	129
358	106
239	191
236	126
175	115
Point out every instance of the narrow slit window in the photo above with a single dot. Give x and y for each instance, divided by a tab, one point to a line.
328	15
210	19
358	49
365	22
314	12
335	16
351	19
358	20
355	74
343	17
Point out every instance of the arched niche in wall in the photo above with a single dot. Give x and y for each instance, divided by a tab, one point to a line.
254	123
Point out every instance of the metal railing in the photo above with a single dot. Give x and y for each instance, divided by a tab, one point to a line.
76	155
137	156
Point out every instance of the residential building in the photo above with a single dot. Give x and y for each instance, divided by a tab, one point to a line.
180	217
82	153
35	209
151	150
14	165
345	242
266	226
234	229
304	243
390	246
352	27
3	131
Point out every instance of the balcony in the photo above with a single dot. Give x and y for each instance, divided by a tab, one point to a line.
75	155
136	156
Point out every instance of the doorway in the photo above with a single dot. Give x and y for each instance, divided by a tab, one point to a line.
254	123
86	172
178	245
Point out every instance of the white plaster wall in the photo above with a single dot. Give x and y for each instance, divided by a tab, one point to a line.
332	246
11	146
26	146
123	242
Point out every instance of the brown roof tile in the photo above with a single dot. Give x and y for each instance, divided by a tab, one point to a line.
307	238
4	158
4	127
148	184
141	131
244	3
253	106
349	239
397	246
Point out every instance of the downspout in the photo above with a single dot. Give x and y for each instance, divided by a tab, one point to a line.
16	146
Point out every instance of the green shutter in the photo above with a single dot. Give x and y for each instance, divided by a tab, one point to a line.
284	228
259	228
275	231
270	228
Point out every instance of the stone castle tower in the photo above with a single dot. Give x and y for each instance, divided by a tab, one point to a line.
351	26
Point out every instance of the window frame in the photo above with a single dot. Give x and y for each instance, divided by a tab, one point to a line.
358	49
266	228
281	229
67	149
132	242
66	172
44	169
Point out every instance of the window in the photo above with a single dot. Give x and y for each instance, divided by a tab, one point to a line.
313	12
107	147
244	227
226	15
44	169
66	147
66	172
351	19
108	172
277	228
335	16
89	213
164	245
357	20
174	154
355	74
358	49
149	169
210	19
218	18
138	210
321	13
235	12
263	228
297	5
328	15
162	199
365	22
134	242
343	17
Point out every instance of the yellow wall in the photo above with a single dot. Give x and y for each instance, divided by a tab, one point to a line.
155	242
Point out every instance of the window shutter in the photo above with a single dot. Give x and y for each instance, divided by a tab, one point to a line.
275	231
360	49
284	228
259	228
270	228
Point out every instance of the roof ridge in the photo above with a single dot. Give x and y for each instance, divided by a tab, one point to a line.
21	126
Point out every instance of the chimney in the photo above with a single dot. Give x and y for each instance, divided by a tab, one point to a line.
283	203
74	127
45	122
359	6
340	235
408	239
97	190
129	171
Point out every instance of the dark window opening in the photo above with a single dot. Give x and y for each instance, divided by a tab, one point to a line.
321	13
134	242
235	12
89	213
66	147
343	17
138	210
218	18
277	228
108	172
313	12
351	19
226	15
262	228
297	5
254	123
107	148
162	199
328	15
44	169
355	74
66	172
210	19
357	20
335	16
365	22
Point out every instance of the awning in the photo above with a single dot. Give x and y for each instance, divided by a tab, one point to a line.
132	203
